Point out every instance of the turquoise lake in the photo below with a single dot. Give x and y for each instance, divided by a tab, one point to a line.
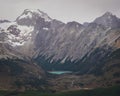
59	72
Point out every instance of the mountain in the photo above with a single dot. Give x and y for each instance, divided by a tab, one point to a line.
17	70
35	39
29	17
108	20
73	44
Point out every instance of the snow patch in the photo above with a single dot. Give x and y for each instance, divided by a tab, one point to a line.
25	35
21	38
28	15
30	12
45	28
6	25
63	61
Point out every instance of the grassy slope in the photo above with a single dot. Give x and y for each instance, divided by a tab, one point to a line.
112	91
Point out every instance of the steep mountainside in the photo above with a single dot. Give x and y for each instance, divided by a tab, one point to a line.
76	47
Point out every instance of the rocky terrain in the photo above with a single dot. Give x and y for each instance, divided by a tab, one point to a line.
35	43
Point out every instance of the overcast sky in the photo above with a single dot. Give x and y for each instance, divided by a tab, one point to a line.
64	10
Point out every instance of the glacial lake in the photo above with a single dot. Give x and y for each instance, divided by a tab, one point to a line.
59	72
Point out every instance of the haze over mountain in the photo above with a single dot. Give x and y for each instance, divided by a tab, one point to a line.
63	10
35	40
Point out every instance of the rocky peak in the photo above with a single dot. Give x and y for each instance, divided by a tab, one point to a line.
74	24
38	12
29	17
108	14
108	20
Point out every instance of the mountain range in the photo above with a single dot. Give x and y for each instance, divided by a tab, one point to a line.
35	43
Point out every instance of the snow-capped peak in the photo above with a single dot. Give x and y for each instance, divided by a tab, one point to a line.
34	14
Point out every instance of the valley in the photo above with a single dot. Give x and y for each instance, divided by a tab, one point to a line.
38	53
